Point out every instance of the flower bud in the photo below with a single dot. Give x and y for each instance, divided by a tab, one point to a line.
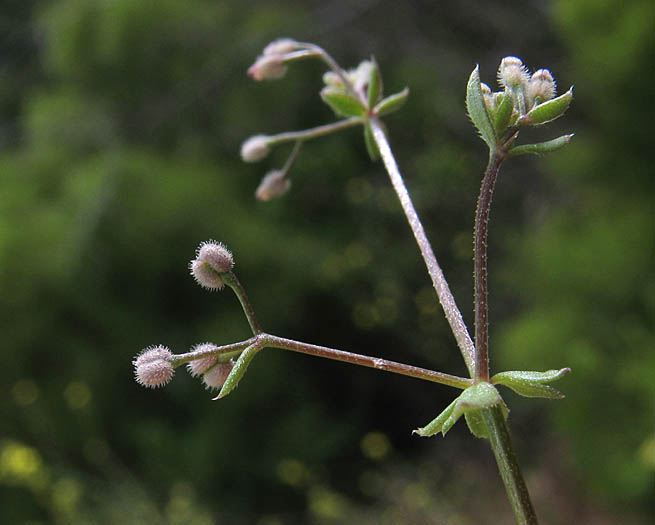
488	97
205	276
200	366
512	73
330	78
273	185
212	260
281	46
268	67
215	255
215	377
361	75
541	87
255	148
152	367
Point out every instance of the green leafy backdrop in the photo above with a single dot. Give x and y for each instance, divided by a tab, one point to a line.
120	128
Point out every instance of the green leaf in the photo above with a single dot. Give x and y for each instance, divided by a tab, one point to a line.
238	371
531	384
477	110
391	103
374	92
436	425
342	103
503	113
371	145
549	110
471	401
541	148
476	424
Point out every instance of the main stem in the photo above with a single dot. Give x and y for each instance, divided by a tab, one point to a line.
508	465
480	270
499	438
453	314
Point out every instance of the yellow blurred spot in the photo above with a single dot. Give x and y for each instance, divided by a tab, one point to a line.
66	494
375	445
180	505
18	462
291	471
357	255
416	495
25	392
647	453
96	450
326	503
77	394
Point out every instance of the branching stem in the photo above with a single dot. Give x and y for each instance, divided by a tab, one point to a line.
263	340
453	314
316	132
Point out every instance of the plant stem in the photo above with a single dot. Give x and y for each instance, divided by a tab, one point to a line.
508	465
453	314
363	360
225	351
263	340
313	133
480	268
234	283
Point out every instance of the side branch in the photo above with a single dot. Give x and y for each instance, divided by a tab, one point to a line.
364	360
453	314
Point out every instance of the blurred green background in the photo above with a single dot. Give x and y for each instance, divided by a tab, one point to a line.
120	128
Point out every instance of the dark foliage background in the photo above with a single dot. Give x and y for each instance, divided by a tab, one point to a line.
120	127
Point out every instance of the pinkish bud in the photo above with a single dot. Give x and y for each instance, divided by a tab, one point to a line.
268	67
274	184
512	73
152	367
281	46
542	86
200	366
215	255
215	377
255	148
205	276
212	260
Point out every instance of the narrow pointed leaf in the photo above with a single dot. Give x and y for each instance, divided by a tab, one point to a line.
477	110
531	384
371	146
374	92
503	113
541	148
549	110
238	371
342	103
436	425
391	103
